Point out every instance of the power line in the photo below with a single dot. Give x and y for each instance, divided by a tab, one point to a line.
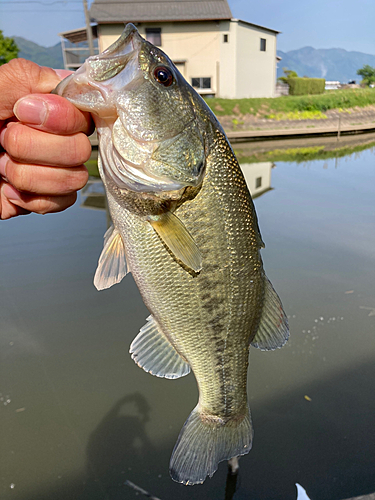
4	11
45	11
38	1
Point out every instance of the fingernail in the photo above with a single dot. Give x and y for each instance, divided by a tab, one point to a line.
31	110
3	164
4	131
11	193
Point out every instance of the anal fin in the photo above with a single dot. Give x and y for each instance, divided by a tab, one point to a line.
273	331
152	351
112	261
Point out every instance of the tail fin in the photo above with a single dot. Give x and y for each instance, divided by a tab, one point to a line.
202	444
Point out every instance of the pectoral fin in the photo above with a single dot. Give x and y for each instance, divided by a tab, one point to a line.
153	352
273	329
112	262
179	241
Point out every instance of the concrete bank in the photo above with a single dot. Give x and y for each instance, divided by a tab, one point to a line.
249	148
290	133
334	122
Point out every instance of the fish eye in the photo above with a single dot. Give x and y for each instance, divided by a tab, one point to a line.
163	75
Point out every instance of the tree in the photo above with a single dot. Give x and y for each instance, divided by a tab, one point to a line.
288	73
8	49
367	73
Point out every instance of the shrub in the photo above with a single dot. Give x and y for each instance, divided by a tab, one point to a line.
368	74
8	49
306	86
288	73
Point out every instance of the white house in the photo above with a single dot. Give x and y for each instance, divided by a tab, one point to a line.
218	55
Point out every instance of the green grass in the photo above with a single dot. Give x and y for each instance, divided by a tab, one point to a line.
337	99
298	115
300	155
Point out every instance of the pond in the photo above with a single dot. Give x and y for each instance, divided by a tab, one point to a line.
78	418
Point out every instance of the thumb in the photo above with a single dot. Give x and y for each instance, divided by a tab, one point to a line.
21	77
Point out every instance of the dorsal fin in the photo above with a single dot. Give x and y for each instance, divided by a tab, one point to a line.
112	261
273	329
153	352
178	239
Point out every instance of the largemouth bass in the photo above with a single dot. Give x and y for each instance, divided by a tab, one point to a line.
185	226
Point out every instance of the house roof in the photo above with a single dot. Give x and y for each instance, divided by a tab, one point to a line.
257	26
79	35
117	11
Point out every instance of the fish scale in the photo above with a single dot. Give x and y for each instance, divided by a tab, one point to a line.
175	297
185	226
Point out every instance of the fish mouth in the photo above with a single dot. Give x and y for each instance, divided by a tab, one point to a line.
106	85
129	37
92	87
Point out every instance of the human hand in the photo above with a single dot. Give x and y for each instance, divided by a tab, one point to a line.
44	142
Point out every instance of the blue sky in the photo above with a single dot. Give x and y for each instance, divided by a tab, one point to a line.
347	24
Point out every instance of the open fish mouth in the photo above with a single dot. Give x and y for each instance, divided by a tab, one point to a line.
149	140
92	87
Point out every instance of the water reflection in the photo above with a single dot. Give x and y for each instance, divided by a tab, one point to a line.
231	485
64	354
120	442
93	195
306	149
258	177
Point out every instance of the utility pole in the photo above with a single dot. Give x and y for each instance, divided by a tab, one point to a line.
88	28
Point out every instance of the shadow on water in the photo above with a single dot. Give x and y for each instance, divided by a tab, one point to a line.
119	442
231	485
296	440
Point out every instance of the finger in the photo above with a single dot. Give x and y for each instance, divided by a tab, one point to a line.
27	145
19	78
52	113
7	209
37	179
37	204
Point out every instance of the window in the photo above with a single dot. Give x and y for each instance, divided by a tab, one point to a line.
225	38
153	35
201	83
258	182
263	44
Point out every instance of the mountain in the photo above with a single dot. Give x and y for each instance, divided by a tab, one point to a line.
45	56
331	64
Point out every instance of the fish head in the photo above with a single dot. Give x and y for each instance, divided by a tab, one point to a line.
149	137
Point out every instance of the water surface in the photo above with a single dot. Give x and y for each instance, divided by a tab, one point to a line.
78	418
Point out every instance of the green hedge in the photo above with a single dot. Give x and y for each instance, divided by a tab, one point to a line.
306	86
